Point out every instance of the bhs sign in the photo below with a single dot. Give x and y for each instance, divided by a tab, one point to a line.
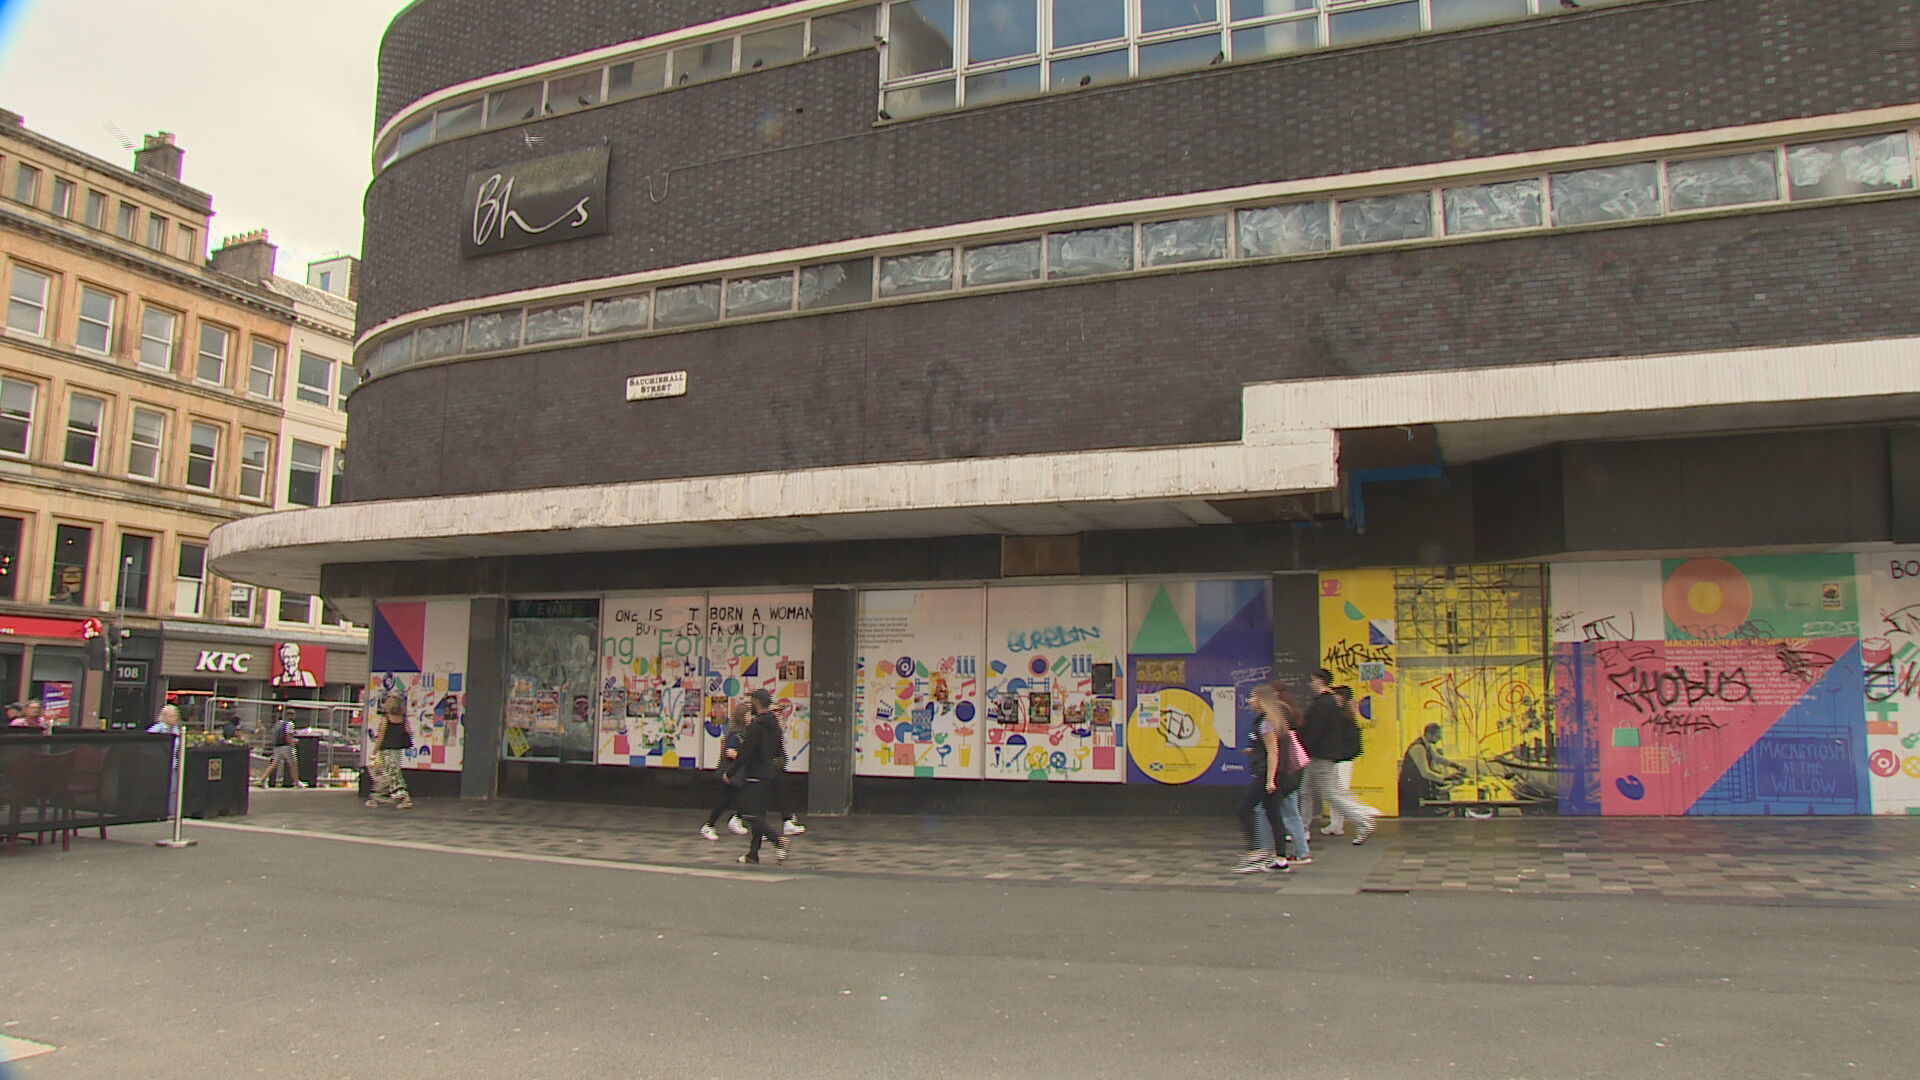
563	197
235	662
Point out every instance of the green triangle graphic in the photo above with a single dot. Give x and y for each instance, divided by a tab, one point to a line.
1162	631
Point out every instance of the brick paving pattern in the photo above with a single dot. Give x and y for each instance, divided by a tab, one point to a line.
1852	860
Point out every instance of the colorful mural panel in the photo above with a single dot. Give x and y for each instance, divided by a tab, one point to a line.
1359	641
920	707
1750	702
652	686
1196	650
760	641
1890	654
1474	705
1055	673
419	649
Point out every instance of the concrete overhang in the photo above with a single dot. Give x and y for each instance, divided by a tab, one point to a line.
1290	444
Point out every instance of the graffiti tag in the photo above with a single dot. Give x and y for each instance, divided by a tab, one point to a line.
1346	657
1805	665
1651	690
1667	722
1056	637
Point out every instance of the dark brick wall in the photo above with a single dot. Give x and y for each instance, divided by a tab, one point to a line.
787	157
435	44
1144	361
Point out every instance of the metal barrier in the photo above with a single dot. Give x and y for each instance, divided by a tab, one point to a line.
337	725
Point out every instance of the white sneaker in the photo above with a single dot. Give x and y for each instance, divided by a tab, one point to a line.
707	831
736	826
792	828
1334	830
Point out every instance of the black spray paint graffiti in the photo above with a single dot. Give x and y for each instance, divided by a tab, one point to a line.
1667	722
1345	657
1805	665
1655	690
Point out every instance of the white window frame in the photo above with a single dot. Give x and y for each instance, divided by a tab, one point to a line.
259	473
109	327
302	388
280	609
43	305
272	370
240	592
158	227
197	608
126	220
212	459
29	174
61	205
32	413
99	434
319	476
173	332
158	446
225	354
95	200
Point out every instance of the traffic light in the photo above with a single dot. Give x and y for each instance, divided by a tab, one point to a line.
96	649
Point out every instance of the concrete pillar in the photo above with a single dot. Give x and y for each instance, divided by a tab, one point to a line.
486	698
830	776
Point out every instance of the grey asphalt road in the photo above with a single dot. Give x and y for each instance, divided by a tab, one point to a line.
283	956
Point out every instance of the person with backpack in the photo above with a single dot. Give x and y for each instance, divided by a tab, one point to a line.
732	776
1270	808
763	759
284	763
1331	736
1336	819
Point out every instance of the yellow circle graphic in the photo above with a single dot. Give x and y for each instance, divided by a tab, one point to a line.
1706	598
1176	742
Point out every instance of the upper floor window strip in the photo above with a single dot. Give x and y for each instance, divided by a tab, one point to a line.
1554	195
938	55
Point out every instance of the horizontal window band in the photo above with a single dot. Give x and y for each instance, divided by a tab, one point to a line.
1458	202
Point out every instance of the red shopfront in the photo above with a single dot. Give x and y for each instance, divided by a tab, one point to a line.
46	659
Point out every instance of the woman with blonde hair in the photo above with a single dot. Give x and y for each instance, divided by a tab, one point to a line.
391	739
1271	802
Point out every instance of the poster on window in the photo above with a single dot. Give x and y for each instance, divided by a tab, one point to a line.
1054	677
552	673
920	705
651	683
419	650
760	641
1196	650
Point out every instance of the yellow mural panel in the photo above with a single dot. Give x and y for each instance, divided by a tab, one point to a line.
1474	687
1359	645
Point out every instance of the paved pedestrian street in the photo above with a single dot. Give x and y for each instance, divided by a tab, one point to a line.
1726	859
317	938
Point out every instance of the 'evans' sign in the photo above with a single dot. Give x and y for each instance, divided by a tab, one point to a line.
235	662
563	197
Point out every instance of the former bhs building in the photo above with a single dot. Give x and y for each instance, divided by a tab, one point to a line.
1010	384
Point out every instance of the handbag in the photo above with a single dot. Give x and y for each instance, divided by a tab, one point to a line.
1296	755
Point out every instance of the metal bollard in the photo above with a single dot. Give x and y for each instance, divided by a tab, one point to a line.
179	792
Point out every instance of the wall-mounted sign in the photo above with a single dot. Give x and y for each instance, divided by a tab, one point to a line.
295	664
563	197
664	384
214	660
130	672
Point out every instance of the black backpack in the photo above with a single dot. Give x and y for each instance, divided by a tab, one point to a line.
1349	734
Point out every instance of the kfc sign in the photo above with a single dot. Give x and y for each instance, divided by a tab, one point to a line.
231	662
299	665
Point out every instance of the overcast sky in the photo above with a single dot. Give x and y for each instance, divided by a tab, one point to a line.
271	99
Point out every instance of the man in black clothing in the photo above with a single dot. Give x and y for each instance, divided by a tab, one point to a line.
763	756
1327	739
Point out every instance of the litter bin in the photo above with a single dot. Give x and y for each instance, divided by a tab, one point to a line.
306	755
216	781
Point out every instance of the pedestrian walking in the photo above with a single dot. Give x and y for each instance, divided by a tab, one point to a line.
1336	819
391	740
732	776
1331	736
284	762
1270	807
763	754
